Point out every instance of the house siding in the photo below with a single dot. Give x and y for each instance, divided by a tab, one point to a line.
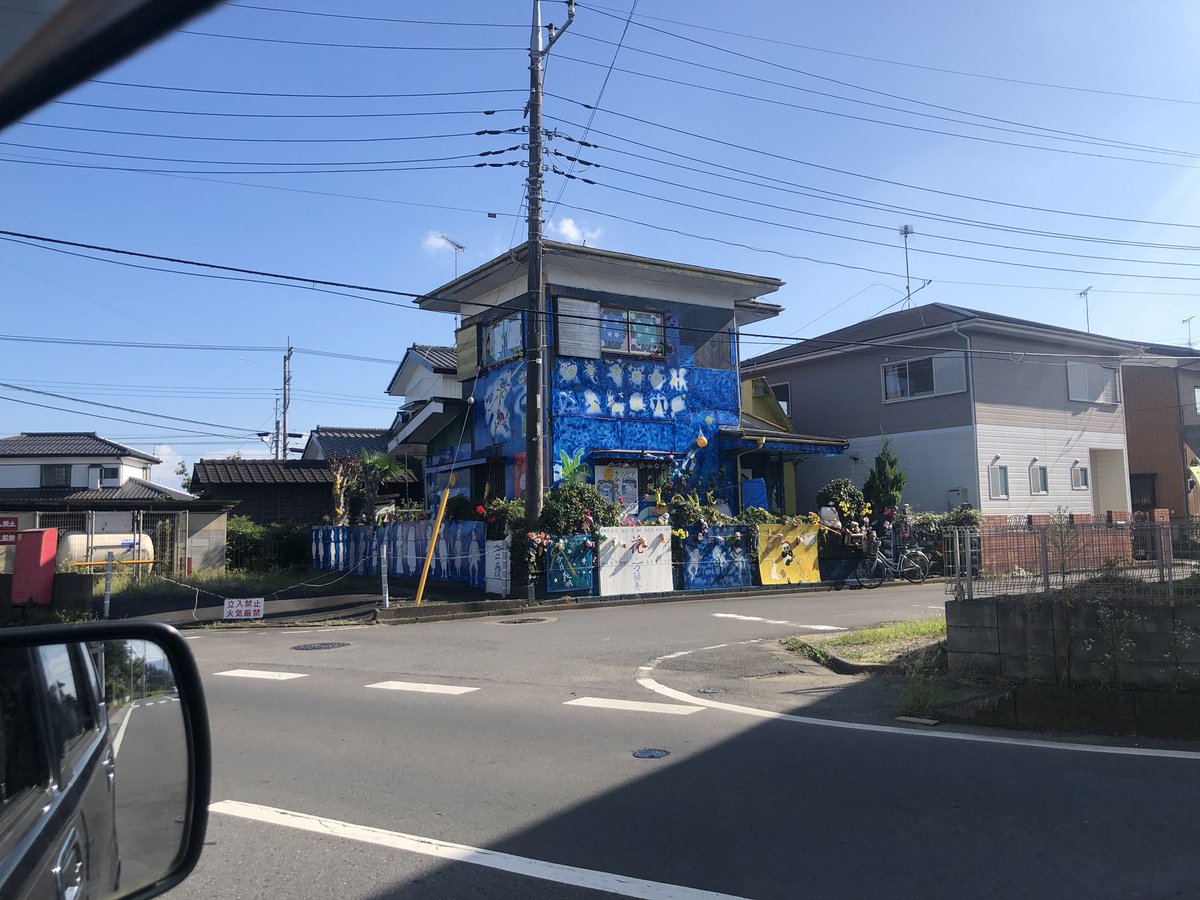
843	395
936	462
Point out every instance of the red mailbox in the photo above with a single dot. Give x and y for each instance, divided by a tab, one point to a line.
33	567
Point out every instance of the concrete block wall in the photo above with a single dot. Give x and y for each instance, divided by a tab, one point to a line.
1135	644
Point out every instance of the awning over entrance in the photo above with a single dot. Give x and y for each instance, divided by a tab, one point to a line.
780	443
430	420
621	455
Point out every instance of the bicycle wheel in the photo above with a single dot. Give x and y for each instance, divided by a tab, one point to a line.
870	573
914	566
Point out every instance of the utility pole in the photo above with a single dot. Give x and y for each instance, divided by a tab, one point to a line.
1087	311
905	231
281	448
534	439
276	441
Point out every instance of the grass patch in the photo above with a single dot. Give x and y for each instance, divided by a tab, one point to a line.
896	643
923	694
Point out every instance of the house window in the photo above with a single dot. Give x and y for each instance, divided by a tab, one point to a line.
1090	383
929	376
56	476
1039	480
1197	390
110	473
503	340
998	482
783	393
1079	478
632	332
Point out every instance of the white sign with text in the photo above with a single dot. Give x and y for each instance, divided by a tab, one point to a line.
244	608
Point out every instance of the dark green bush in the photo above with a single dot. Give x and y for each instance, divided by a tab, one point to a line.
568	504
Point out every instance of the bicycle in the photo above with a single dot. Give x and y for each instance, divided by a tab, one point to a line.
913	566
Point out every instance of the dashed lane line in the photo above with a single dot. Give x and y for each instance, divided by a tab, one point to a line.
420	688
259	673
777	622
669	709
590	879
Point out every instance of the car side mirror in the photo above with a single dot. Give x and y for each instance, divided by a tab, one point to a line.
105	760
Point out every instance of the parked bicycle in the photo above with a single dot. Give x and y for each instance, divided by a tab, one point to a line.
912	565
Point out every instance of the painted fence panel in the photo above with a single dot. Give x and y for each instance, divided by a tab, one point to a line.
498	565
569	565
459	554
787	554
635	560
716	556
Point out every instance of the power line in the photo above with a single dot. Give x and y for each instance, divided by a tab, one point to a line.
62	164
250	140
407	49
907	65
233	93
306	12
93	415
783	158
237	115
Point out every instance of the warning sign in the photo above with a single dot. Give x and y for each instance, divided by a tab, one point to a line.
243	608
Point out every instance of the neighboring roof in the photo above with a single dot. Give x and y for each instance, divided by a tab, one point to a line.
907	321
349	441
261	471
67	443
443	359
133	493
496	274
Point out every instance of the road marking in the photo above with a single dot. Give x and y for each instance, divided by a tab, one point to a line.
777	622
259	673
646	681
670	709
194	637
590	879
422	688
121	731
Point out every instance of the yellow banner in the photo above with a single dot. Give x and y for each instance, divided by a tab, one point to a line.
787	554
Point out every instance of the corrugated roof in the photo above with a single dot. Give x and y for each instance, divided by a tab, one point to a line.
261	471
905	321
67	443
443	359
135	490
350	441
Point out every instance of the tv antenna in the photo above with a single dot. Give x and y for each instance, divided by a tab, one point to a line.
1087	312
905	231
1188	323
457	247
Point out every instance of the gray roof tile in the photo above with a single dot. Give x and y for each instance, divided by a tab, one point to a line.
67	443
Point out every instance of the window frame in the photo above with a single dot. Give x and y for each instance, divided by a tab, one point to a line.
77	747
1087	369
993	484
105	470
1039	480
61	469
485	359
1079	483
785	403
627	314
933	367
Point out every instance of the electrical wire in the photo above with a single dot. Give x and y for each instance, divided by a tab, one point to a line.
62	164
93	415
237	115
245	140
233	93
407	49
328	15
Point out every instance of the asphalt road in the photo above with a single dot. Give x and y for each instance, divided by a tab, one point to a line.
495	760
151	787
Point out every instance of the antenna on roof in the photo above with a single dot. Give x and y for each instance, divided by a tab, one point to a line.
1188	323
1087	312
905	231
457	247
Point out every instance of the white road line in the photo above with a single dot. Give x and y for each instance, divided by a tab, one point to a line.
121	731
259	673
590	879
670	709
646	681
422	688
777	622
194	637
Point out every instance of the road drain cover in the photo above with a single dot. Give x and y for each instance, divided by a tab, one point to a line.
651	753
324	645
710	690
528	620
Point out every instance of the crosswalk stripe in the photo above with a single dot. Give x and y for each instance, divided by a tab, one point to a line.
259	673
670	709
422	688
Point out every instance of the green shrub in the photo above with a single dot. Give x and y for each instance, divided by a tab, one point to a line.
927	528
464	509
502	516
569	505
844	496
755	516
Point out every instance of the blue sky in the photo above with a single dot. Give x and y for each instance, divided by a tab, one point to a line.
752	137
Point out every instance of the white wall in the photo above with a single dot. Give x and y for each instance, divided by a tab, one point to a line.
1057	450
24	474
935	461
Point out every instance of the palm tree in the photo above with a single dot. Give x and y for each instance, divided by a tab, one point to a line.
378	468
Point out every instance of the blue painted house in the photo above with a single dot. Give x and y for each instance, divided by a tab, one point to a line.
641	375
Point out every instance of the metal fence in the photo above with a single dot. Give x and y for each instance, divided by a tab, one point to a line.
1136	559
167	532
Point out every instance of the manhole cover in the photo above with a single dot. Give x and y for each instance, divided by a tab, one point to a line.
324	645
710	690
651	753
528	620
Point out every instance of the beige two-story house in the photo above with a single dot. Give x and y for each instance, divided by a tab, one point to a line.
1006	415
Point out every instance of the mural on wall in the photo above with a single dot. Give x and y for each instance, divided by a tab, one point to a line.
569	564
630	403
635	560
458	555
716	556
787	554
503	394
